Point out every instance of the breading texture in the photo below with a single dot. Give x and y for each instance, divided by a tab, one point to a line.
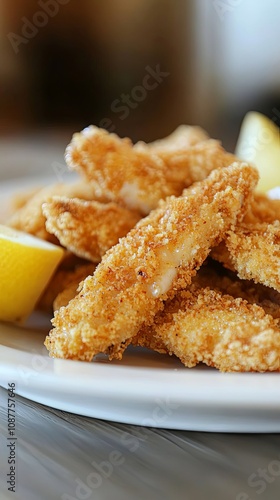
202	325
253	248
144	338
218	278
148	266
71	287
136	176
30	218
263	209
253	251
88	228
183	137
62	280
64	297
21	198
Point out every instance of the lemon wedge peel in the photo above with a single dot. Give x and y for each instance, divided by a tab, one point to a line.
259	144
26	266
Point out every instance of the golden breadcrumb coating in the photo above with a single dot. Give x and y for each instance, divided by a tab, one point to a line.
157	258
144	338
139	177
253	248
183	137
64	297
214	277
263	209
61	280
21	198
88	228
71	287
253	251
217	278
30	218
222	255
203	325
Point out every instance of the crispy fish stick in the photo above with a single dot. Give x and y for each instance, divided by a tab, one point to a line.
144	338
20	199
136	177
157	258
64	297
263	209
183	137
88	228
70	288
61	280
30	217
253	251
217	278
202	325
253	248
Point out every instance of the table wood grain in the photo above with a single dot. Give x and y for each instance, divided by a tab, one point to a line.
68	457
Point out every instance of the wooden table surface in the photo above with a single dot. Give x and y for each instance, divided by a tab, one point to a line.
64	456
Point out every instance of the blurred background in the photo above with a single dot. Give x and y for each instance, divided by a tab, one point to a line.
136	67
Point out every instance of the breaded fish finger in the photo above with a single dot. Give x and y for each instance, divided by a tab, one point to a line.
253	251
136	177
64	297
203	325
263	209
70	289
88	228
157	258
183	137
217	278
21	198
30	217
62	279
253	248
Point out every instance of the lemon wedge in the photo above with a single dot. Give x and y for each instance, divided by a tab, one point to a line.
259	143
26	265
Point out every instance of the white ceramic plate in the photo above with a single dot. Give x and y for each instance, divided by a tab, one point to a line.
144	389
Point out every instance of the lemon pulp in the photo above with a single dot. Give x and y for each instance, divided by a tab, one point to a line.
259	143
26	266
